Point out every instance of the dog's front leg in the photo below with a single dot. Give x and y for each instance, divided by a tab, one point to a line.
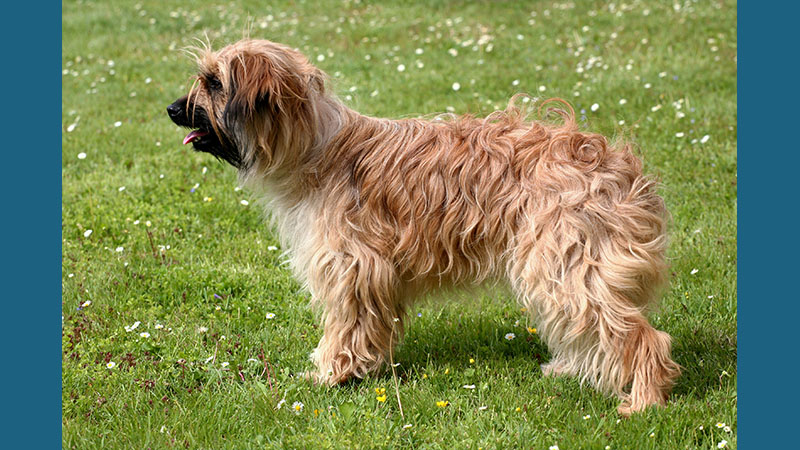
362	315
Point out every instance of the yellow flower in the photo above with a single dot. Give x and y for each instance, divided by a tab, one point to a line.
532	330
518	409
381	398
446	371
316	412
442	404
380	391
424	375
471	361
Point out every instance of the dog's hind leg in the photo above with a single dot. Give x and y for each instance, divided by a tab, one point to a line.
647	364
601	336
362	316
589	288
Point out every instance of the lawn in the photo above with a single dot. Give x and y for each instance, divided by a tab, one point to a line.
183	327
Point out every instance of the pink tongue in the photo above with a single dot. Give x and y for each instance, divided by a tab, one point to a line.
196	134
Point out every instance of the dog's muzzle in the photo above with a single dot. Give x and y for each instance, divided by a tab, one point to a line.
201	137
179	114
177	111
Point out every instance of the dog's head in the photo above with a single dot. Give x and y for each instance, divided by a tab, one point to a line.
252	104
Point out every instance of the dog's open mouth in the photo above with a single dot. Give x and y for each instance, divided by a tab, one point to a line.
204	140
194	135
202	135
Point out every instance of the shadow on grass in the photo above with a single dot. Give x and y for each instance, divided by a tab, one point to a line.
708	358
452	342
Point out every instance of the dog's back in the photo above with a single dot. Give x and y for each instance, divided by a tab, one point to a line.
465	199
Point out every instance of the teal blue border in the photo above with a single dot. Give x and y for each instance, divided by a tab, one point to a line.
769	184
768	199
31	224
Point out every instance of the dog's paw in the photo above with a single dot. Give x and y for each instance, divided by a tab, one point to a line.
628	406
625	409
553	369
547	369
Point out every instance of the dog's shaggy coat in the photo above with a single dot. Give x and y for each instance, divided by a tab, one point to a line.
377	213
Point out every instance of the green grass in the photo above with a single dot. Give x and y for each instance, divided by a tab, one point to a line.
219	274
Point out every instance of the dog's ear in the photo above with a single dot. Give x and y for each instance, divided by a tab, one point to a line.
271	103
250	84
260	80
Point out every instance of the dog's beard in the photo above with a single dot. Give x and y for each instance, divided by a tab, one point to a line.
204	137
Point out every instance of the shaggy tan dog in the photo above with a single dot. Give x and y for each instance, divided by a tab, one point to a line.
377	213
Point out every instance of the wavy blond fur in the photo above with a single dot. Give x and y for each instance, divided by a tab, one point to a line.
377	213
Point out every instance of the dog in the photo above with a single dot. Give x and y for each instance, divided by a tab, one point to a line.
377	213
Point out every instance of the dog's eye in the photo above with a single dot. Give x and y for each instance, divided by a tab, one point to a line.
214	84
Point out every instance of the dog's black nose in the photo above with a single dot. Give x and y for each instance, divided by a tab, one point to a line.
174	110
